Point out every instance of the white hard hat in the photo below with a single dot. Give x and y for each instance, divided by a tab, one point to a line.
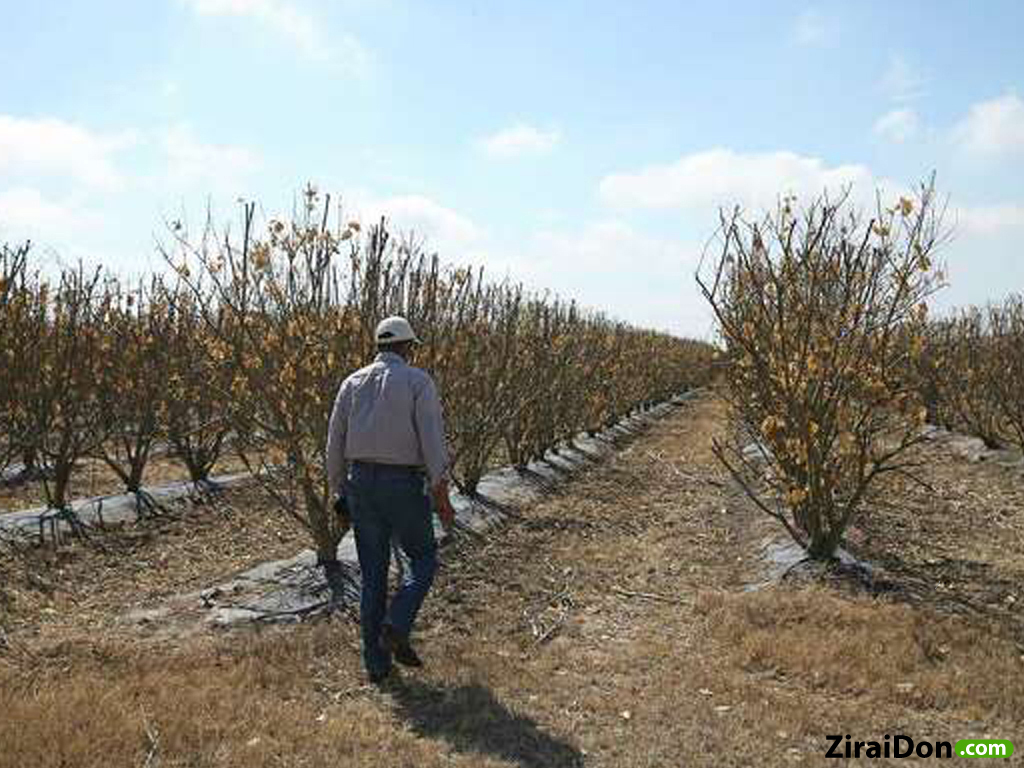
393	330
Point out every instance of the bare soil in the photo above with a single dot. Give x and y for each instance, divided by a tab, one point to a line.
92	477
610	625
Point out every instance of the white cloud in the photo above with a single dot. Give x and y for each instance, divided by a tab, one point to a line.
25	212
811	28
983	258
604	246
519	139
993	128
606	265
706	181
444	229
990	220
63	230
898	126
609	265
902	81
53	147
221	168
300	28
170	89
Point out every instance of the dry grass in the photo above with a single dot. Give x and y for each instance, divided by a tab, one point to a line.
248	703
608	626
887	654
87	587
955	543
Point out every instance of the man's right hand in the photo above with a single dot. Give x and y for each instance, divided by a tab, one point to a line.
443	504
341	510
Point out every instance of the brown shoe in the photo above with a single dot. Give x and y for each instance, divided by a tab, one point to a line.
399	646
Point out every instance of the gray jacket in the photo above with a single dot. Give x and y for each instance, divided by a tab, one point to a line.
389	413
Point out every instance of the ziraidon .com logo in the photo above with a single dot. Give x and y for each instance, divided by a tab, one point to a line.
905	746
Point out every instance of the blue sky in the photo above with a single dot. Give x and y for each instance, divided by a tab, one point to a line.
583	147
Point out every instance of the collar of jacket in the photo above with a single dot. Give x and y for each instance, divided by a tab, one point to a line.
390	358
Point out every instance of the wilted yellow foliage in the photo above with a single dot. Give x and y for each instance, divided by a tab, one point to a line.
823	316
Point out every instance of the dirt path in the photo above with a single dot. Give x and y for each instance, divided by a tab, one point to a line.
584	615
616	615
607	626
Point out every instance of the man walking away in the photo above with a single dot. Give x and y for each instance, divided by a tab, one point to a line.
386	431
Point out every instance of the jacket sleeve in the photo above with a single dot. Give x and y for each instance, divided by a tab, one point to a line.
337	429
430	429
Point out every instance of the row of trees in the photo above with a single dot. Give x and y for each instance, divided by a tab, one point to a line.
95	368
972	372
244	348
832	365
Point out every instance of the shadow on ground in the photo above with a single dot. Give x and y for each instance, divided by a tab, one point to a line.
472	720
957	586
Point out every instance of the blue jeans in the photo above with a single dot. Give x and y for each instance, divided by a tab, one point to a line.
388	503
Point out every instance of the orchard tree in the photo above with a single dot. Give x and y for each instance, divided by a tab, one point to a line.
15	303
1006	327
275	316
133	381
62	402
196	400
972	367
821	311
